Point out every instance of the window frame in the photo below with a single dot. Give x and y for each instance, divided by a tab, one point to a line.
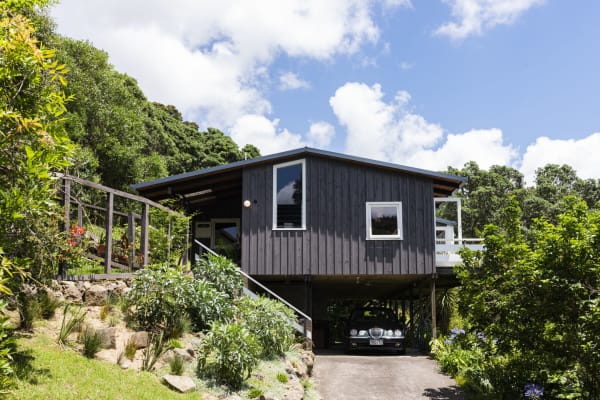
303	205
398	206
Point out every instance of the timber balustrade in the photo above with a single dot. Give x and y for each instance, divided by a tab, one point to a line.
130	258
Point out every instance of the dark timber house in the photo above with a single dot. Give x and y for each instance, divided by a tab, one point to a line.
317	226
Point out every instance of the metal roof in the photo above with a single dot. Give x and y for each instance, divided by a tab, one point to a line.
161	188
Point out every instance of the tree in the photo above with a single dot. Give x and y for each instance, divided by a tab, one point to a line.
33	145
539	301
33	141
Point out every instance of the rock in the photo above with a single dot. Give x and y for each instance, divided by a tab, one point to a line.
71	292
267	396
258	376
183	354
300	369
190	350
108	337
182	384
308	358
125	365
96	295
140	339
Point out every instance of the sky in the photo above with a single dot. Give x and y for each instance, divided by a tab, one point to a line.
423	83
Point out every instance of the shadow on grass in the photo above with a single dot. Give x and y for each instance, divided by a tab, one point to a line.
24	369
445	393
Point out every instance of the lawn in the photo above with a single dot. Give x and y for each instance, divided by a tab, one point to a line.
50	372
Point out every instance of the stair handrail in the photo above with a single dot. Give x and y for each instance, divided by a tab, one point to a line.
307	332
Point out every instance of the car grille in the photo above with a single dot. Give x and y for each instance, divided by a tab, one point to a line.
376	333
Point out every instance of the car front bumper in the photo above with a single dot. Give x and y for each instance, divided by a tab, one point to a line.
368	343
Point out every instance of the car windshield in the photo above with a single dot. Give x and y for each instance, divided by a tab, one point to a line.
372	314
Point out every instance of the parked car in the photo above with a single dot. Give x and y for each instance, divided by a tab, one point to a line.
374	328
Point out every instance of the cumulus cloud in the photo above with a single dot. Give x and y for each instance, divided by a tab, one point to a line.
391	131
291	81
208	58
320	134
581	154
473	17
269	138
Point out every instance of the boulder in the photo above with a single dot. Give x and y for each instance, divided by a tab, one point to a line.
71	292
267	396
96	295
182	384
108	337
140	339
183	354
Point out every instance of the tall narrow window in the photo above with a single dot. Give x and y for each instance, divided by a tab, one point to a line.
384	220
289	196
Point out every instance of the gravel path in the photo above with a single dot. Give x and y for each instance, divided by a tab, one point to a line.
364	377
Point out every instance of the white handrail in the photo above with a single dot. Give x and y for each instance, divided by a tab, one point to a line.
263	287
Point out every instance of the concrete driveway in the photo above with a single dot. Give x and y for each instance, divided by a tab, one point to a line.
413	376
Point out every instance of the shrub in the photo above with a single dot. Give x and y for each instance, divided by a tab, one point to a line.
282	377
48	304
228	354
221	272
91	341
253	393
7	348
29	310
206	304
270	321
176	364
159	298
71	320
155	349
130	349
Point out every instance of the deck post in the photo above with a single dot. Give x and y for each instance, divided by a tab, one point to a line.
131	239
433	309
109	228
67	204
79	215
145	243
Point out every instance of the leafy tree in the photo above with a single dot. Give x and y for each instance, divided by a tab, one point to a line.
538	303
33	144
127	138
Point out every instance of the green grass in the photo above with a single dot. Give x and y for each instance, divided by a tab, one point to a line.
54	373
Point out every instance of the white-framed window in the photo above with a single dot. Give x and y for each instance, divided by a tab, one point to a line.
384	220
289	195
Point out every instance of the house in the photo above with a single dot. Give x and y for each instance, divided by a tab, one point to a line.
316	226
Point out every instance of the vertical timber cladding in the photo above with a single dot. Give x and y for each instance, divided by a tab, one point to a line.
334	242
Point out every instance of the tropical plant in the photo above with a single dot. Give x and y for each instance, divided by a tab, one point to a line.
221	272
7	349
157	347
228	354
270	321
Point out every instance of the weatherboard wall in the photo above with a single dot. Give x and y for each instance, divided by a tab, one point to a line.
334	242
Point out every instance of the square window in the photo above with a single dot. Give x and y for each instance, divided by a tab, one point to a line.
384	220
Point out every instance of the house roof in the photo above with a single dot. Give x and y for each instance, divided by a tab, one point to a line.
228	176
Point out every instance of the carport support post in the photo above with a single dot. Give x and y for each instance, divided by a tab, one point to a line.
433	309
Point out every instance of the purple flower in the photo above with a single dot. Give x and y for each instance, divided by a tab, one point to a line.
480	336
533	391
462	331
448	341
454	331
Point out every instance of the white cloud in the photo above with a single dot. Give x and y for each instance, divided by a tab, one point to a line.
394	133
405	66
320	134
581	154
209	58
291	81
269	138
473	17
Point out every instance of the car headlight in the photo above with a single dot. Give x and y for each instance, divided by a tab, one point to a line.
362	332
397	332
353	332
389	332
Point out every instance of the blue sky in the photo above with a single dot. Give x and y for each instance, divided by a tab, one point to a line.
427	83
